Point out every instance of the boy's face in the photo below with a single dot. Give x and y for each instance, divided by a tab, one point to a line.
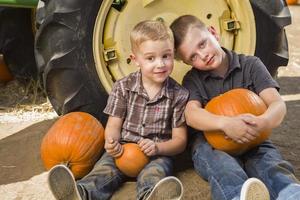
156	59
201	49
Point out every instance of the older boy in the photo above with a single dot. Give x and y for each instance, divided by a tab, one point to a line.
145	107
215	71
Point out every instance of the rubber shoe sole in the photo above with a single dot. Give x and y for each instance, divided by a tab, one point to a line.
254	189
169	188
62	183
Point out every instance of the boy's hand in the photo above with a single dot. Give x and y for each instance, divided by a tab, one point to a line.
238	130
258	123
113	147
148	146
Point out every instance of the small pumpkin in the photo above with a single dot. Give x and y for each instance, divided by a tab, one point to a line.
132	160
76	140
233	103
5	74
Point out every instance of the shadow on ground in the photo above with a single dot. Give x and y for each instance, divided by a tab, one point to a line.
20	153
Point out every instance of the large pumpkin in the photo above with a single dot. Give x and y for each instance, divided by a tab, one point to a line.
132	160
233	103
76	140
5	74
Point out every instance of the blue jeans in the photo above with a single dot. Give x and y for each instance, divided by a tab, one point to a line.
226	174
105	178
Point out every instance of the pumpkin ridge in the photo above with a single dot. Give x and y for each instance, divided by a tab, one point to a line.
91	149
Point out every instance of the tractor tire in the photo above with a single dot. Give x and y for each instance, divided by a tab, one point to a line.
65	56
17	42
271	42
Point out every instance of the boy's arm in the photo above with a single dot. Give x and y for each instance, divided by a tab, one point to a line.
171	147
113	128
200	119
113	135
276	109
267	88
176	145
234	127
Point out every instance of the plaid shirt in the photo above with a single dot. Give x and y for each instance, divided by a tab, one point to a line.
145	118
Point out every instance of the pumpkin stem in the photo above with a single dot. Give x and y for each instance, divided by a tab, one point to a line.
66	163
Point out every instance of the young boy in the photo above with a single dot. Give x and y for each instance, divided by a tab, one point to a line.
215	71
145	107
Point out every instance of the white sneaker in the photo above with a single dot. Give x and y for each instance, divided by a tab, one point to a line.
169	188
254	189
62	183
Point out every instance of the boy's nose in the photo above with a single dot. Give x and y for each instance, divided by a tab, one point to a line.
161	63
203	56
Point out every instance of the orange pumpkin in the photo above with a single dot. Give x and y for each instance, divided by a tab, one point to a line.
5	75
291	2
76	140
132	160
233	103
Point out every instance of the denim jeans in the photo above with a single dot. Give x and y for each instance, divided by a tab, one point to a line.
105	178
226	174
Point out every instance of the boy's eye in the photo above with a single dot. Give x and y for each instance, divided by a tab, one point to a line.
167	56
193	57
202	44
150	58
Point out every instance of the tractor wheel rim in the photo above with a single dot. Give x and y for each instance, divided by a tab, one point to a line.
111	45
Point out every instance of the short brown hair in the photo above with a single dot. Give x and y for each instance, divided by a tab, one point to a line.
150	30
182	24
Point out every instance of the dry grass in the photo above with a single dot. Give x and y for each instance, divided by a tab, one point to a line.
24	100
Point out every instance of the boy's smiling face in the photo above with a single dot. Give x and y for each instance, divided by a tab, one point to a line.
201	49
156	60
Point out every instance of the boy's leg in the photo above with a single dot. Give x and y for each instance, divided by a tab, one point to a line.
223	172
100	183
155	180
266	163
291	192
104	179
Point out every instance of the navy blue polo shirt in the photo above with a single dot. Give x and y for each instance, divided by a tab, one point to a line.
244	72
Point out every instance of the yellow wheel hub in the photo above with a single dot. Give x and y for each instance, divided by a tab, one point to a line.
233	20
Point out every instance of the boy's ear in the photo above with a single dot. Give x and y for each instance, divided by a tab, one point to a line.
213	31
133	58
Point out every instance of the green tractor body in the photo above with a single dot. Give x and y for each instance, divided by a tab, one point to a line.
19	3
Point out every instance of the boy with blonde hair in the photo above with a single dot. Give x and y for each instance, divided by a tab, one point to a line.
260	173
146	107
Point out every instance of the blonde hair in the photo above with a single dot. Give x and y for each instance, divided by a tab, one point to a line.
149	30
181	26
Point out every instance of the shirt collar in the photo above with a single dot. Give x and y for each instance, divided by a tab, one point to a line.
135	85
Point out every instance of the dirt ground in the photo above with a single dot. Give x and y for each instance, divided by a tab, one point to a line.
22	175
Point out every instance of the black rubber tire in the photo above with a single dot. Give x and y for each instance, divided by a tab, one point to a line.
65	58
17	42
64	55
271	16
